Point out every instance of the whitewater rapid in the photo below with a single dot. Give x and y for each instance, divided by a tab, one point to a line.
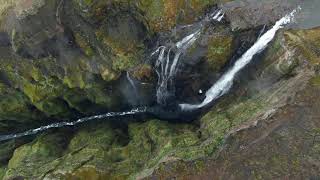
223	85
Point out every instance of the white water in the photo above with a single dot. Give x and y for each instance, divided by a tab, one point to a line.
167	68
217	90
63	124
133	85
223	85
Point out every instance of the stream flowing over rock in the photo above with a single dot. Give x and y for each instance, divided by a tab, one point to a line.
64	60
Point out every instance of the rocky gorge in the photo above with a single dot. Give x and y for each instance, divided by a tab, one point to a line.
61	60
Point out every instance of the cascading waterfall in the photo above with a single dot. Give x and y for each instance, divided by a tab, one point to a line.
164	81
223	85
166	68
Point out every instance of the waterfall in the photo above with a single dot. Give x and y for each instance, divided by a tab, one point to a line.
223	85
166	68
73	123
133	85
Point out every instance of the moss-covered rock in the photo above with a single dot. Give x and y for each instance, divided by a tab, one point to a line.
219	51
306	42
165	14
34	90
315	81
2	171
42	151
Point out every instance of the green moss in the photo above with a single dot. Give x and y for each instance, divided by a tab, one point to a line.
100	137
53	107
2	171
15	105
41	90
42	151
37	89
219	51
108	152
315	81
84	45
13	102
307	42
162	15
126	55
77	99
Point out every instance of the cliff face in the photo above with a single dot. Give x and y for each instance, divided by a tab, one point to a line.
65	59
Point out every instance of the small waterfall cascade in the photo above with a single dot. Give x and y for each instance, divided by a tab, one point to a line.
168	60
223	85
73	123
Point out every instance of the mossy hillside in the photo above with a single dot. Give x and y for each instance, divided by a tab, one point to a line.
109	152
165	14
148	143
41	151
126	54
306	42
46	85
118	37
14	105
